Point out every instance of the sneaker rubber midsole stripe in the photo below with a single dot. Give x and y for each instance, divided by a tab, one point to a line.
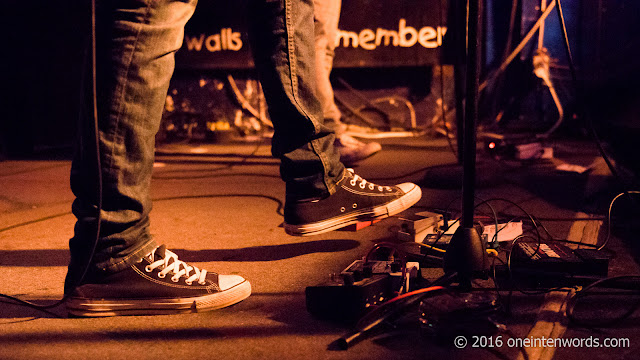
84	306
381	211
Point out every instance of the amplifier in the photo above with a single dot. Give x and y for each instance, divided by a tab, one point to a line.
372	33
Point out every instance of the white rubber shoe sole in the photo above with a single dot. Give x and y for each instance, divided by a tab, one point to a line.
237	292
412	195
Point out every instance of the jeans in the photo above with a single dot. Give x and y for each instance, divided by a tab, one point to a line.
326	16
136	42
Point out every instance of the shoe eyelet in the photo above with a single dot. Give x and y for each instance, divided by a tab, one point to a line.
352	182
388	188
202	283
148	268
175	279
371	186
188	282
161	275
380	188
354	205
342	209
362	185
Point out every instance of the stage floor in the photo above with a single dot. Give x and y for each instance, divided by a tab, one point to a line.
224	214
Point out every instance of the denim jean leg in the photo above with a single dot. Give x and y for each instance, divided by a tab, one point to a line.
326	17
136	42
281	35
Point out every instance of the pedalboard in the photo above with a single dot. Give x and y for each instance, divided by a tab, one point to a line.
347	296
515	147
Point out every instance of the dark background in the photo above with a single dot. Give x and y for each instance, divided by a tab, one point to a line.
46	44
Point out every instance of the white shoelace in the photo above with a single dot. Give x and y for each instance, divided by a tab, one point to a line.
363	182
179	268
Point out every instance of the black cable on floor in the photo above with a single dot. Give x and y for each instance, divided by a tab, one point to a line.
96	133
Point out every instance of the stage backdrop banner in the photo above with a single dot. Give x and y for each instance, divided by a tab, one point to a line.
372	33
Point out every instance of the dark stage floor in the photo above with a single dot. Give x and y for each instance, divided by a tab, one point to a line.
224	214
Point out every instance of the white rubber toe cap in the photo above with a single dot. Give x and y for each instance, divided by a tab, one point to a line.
228	281
408	187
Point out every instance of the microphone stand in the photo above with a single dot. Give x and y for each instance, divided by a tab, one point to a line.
466	254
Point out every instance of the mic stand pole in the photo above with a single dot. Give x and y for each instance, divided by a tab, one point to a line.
466	254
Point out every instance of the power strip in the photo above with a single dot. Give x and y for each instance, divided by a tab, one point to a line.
555	264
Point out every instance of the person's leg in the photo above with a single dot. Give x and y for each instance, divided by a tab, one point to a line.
136	41
281	35
327	16
134	66
321	195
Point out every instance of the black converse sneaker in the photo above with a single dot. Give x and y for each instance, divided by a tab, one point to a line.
355	200
158	284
